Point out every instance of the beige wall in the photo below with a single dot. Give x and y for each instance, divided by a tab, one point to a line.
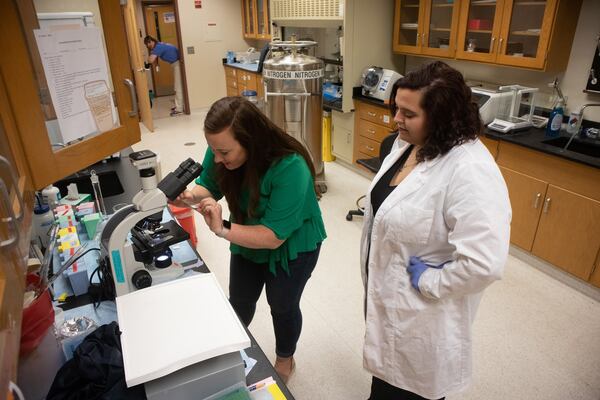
204	70
572	81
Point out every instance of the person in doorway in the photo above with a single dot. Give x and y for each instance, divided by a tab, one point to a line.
435	235
168	53
275	229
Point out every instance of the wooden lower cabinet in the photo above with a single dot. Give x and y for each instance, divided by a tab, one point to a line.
595	277
238	80
568	234
526	198
556	208
372	124
491	144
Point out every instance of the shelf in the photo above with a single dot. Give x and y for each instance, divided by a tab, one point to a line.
409	28
447	5
332	61
410	6
439	30
479	31
530	3
525	33
484	4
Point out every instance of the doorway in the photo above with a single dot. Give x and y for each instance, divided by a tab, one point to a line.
161	22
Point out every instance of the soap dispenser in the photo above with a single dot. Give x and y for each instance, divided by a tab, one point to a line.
555	121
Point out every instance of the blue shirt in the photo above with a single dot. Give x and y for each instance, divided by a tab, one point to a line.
167	52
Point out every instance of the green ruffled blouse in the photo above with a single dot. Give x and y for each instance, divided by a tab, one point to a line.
287	205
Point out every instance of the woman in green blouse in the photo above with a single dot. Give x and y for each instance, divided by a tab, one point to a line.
275	229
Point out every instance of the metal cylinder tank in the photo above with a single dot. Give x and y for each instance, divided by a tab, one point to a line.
293	96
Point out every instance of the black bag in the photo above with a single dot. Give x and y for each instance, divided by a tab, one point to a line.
96	370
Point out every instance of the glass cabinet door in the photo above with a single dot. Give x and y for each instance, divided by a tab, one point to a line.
262	19
68	81
478	36
439	30
525	32
248	18
407	29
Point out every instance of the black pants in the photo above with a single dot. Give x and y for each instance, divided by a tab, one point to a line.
381	390
246	281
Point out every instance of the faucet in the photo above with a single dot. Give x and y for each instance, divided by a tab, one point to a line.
583	107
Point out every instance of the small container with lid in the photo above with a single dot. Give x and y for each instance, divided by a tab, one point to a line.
252	97
50	196
41	224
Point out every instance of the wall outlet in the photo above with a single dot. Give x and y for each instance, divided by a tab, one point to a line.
190	50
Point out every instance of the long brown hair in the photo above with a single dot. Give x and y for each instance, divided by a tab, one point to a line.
265	143
452	117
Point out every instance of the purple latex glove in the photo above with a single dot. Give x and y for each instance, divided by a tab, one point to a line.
415	269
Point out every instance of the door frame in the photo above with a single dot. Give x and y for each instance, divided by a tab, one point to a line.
146	3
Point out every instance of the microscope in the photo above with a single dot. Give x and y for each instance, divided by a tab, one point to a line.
134	240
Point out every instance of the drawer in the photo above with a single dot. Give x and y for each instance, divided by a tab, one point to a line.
230	72
363	156
378	115
232	83
232	91
368	146
373	131
247	80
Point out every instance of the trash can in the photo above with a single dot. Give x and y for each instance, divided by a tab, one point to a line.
327	156
38	317
185	217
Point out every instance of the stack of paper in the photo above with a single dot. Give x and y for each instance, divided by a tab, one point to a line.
179	323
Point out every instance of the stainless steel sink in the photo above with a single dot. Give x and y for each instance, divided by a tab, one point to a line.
587	148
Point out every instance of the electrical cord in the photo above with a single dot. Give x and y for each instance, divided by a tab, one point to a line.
105	288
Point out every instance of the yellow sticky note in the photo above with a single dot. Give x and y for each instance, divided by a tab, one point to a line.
276	392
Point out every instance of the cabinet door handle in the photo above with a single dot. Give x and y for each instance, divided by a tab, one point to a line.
500	45
134	103
423	39
492	44
13	178
11	219
536	201
371	131
371	114
369	148
546	205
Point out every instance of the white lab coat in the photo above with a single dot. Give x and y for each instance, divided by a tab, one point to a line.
455	208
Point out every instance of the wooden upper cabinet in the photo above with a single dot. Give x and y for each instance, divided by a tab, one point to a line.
533	34
255	19
426	27
263	25
48	154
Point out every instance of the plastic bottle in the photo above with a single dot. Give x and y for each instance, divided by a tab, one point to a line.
50	196
41	224
555	121
574	123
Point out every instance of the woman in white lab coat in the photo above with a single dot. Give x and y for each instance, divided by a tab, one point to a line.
436	234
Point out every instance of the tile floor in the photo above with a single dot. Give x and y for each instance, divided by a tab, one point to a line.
535	336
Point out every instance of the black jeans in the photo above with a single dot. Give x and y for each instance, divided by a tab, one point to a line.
246	280
381	390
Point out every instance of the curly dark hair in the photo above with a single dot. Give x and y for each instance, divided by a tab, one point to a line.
451	116
264	142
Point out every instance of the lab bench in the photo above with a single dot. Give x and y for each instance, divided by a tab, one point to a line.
40	366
